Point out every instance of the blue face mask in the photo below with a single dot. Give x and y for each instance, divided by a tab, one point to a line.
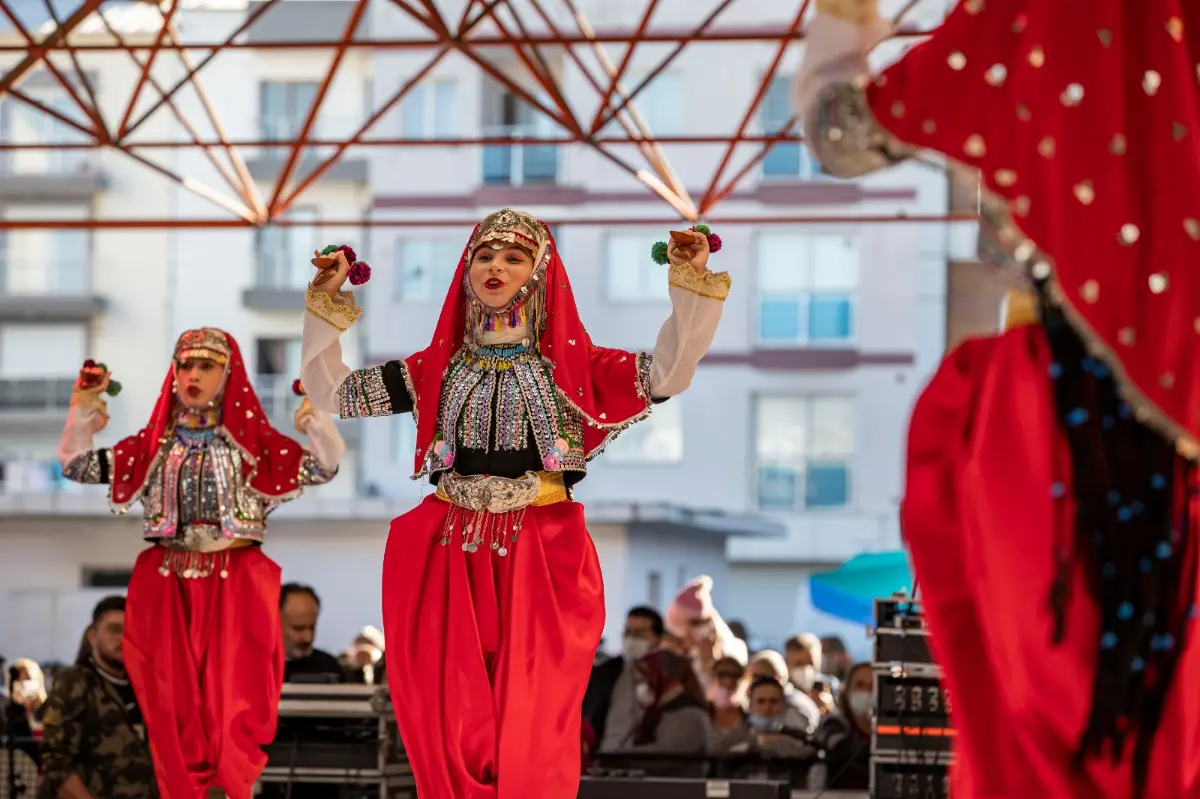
762	723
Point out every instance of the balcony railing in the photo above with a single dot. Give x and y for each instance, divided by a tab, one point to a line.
518	164
59	161
37	394
54	278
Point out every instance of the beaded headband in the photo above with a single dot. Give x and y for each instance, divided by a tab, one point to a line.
206	343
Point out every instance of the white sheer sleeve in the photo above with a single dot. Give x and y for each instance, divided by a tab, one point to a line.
321	368
696	304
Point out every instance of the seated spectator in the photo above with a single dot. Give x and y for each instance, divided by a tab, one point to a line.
822	694
846	735
94	742
835	659
610	705
766	734
674	711
299	607
802	654
726	698
800	711
361	661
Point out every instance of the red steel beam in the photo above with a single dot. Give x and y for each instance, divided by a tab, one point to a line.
123	127
95	113
733	35
289	167
192	223
34	53
466	141
606	100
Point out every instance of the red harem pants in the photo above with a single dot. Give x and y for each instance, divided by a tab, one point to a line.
205	657
488	656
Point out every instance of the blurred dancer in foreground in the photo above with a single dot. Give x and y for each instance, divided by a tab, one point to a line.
1051	468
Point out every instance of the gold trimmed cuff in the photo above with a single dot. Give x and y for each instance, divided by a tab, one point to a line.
91	400
856	12
714	285
339	312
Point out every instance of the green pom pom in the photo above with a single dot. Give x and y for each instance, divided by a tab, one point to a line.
658	253
329	249
705	229
114	388
102	366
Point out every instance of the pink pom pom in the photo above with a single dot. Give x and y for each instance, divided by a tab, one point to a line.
360	273
351	256
714	242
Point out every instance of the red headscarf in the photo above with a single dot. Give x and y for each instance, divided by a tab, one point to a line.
602	384
1083	118
272	460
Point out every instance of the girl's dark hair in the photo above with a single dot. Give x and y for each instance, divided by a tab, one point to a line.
663	669
1133	532
843	698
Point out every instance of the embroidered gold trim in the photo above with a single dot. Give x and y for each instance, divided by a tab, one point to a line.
340	315
857	12
714	285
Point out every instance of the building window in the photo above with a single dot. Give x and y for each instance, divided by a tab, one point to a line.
106	578
656	439
807	286
803	449
283	107
404	439
654	589
285	251
630	274
425	267
662	105
430	111
277	365
38	365
788	159
508	116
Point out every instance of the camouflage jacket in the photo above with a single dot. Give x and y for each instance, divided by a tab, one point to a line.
87	731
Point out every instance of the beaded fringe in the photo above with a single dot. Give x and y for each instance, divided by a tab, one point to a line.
194	565
476	528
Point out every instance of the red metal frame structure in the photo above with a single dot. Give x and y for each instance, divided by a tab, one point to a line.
57	51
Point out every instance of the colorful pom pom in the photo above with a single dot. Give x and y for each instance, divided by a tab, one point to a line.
658	253
351	257
89	364
360	273
297	388
114	388
329	249
705	229
714	242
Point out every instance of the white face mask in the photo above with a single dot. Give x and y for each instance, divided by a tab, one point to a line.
24	690
861	703
803	677
634	649
645	696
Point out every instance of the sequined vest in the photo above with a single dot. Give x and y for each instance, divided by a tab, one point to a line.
492	396
195	497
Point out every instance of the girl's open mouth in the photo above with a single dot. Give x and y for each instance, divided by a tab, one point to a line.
493	283
193	391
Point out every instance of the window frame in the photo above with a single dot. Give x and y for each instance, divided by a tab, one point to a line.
808	169
425	94
615	452
804	296
800	500
398	271
647	266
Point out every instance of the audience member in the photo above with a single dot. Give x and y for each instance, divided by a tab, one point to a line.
800	711
765	731
299	607
362	660
28	690
693	618
836	659
802	654
846	735
610	704
94	742
726	698
674	711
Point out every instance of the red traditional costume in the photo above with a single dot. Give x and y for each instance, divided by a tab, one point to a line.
203	644
1050	475
493	603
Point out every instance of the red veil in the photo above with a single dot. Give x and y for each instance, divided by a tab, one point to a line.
1083	118
272	460
602	384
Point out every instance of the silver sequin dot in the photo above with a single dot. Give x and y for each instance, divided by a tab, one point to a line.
1150	82
1158	283
996	74
1130	233
1090	291
957	61
1040	270
1072	95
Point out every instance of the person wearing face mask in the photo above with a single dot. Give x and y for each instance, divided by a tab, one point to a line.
610	704
800	711
846	735
802	653
765	733
725	696
203	645
674	712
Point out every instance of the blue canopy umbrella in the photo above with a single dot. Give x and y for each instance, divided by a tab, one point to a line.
849	592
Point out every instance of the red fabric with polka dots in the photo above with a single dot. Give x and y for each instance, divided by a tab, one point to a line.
601	382
272	465
1085	116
